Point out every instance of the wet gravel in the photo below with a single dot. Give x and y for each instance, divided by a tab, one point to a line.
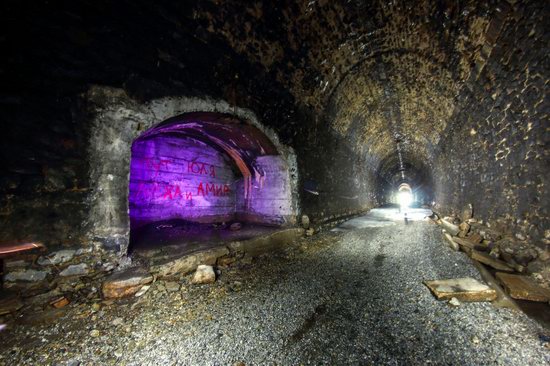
350	297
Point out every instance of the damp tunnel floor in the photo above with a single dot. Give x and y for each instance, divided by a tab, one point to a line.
180	237
349	297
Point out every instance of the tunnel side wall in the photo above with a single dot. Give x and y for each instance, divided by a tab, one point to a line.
495	153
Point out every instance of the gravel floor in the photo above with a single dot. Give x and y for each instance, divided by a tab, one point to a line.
353	296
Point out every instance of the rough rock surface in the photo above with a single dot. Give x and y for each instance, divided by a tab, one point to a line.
204	274
125	283
341	308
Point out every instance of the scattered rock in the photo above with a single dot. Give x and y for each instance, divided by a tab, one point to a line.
204	274
95	333
305	221
10	304
118	321
525	256
55	258
454	302
96	306
523	287
75	270
59	302
142	291
172	286
30	275
125	283
236	286
310	231
463	289
236	226
475	238
520	236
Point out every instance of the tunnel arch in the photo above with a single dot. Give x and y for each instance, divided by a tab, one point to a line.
207	168
118	120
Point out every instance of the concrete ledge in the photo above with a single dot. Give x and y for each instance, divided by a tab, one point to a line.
262	244
171	267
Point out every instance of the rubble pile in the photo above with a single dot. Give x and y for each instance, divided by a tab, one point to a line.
521	266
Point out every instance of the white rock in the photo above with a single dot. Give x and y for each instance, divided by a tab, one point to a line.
59	257
454	302
75	270
142	291
204	274
30	275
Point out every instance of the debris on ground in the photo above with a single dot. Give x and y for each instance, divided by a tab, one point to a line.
490	261
523	288
463	289
125	283
204	274
59	302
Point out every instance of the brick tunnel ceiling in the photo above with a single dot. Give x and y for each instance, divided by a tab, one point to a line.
385	76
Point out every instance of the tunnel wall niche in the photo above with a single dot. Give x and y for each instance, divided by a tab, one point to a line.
118	120
179	178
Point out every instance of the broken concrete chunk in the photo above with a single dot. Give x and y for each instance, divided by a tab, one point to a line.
451	242
125	283
172	286
449	227
59	257
75	270
463	289
523	288
490	261
204	274
30	275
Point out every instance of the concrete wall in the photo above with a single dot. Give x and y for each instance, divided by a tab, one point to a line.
179	178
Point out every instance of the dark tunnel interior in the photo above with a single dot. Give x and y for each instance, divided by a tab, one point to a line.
320	142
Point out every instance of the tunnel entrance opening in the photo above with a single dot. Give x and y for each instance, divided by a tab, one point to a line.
202	179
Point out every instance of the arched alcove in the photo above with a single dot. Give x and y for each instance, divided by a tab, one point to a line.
193	175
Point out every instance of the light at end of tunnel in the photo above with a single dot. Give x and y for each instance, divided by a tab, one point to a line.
404	198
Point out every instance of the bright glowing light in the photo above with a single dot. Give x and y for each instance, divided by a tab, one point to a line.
405	198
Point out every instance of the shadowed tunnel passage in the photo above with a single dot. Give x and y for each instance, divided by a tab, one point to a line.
137	124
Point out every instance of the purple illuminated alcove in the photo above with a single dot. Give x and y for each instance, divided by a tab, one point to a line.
201	169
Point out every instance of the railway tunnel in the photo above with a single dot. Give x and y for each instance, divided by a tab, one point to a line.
278	147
